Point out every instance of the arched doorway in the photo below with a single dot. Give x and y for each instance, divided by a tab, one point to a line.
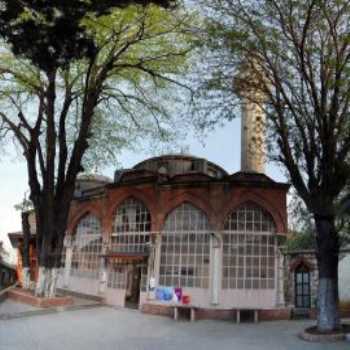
302	287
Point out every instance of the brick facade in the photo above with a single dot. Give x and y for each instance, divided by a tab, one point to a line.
203	185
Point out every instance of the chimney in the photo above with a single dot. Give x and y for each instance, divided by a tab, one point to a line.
253	120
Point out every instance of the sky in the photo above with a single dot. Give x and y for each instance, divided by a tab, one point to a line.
221	146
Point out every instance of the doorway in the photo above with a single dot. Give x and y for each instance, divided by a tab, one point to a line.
302	288
133	282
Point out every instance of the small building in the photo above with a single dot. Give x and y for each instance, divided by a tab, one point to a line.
301	280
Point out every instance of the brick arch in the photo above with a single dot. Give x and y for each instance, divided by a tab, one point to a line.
119	199
301	261
178	200
251	197
80	214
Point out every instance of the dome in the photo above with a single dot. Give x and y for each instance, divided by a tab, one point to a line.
177	164
86	182
93	178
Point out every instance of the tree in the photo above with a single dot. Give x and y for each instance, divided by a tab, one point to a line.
25	207
292	59
74	69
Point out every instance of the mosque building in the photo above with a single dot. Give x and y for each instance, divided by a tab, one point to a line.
184	223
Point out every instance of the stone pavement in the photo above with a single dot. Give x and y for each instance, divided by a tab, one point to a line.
120	329
10	309
9	306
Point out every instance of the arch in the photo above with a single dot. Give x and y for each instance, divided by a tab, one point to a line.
185	248
131	215
117	197
249	248
196	200
255	197
300	262
89	224
85	211
250	217
87	247
186	217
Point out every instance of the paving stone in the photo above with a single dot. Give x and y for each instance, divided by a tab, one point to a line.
120	329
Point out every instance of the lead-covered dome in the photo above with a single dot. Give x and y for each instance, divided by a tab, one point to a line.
178	164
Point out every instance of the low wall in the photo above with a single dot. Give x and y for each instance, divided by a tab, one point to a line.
218	314
27	297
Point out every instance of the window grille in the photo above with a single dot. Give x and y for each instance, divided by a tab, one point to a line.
87	246
249	248
130	243
132	223
185	249
132	216
116	276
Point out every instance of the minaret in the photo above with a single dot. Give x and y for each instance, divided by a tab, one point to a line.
253	122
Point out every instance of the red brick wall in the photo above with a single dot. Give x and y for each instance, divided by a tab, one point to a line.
215	199
275	314
217	314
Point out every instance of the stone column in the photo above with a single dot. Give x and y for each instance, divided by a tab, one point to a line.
280	298
157	252
151	264
215	271
68	242
103	273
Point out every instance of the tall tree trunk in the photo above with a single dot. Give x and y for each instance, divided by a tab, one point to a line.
327	258
25	251
50	248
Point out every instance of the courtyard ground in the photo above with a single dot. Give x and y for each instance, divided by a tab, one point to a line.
105	328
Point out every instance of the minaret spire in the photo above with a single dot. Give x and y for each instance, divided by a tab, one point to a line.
253	119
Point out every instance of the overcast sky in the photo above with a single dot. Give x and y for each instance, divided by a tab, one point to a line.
222	146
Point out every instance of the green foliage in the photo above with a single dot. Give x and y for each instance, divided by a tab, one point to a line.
49	33
301	241
295	56
143	53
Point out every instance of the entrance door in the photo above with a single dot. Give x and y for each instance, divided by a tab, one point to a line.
133	286
302	288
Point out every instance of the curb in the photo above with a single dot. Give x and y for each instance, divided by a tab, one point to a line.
323	338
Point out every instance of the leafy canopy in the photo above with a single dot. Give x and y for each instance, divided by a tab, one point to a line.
296	55
49	33
143	52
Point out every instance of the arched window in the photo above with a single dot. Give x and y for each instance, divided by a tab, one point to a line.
132	216
131	227
250	218
87	246
185	248
249	246
88	225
